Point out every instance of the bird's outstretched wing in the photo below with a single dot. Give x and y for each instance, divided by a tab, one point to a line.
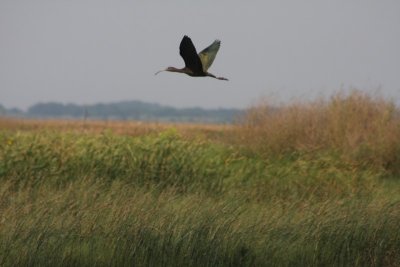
207	56
189	55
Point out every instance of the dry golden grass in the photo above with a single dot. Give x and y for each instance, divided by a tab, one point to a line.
132	128
356	125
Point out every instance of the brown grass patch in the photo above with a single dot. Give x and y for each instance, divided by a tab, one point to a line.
358	126
215	132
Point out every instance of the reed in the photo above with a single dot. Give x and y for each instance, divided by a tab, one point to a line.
304	185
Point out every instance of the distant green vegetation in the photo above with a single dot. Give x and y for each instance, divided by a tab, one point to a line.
126	110
169	199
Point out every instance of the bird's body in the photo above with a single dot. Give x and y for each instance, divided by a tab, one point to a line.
196	65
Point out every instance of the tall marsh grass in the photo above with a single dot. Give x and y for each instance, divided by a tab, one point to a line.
359	127
90	223
303	185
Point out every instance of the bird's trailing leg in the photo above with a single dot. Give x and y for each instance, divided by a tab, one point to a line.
219	78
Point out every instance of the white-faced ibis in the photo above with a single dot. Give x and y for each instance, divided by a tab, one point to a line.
196	65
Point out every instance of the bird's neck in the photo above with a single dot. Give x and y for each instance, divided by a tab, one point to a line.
173	69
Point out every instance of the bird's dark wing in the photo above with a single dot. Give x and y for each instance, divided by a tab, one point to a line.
189	55
207	56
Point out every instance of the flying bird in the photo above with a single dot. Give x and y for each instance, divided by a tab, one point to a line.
196	65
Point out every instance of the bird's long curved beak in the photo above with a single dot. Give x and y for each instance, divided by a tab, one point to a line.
158	72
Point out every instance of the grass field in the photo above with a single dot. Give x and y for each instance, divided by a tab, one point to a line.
308	184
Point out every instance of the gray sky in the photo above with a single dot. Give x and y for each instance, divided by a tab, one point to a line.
88	51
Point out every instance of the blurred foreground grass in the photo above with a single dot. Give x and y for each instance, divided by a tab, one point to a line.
193	196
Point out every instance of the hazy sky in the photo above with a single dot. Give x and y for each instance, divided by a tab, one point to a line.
88	51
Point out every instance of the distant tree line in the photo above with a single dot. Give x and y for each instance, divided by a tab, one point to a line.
125	110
